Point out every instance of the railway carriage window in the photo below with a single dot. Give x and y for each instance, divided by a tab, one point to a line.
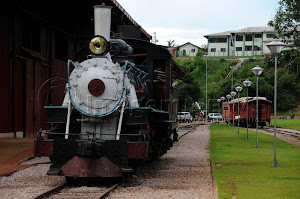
212	50
238	48
248	48
223	49
248	37
239	37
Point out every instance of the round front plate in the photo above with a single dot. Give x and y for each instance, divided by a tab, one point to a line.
96	87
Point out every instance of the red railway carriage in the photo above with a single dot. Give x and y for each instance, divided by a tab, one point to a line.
264	111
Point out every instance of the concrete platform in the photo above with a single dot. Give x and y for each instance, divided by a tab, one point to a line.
12	152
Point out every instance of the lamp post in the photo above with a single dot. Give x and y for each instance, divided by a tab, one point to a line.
228	108
238	89
222	99
275	47
231	67
233	94
206	88
218	100
257	70
247	83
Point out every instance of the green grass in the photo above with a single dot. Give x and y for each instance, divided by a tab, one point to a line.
287	123
287	114
243	171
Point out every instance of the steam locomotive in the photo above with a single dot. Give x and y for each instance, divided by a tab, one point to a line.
119	110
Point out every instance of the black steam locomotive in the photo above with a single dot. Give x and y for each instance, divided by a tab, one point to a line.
120	108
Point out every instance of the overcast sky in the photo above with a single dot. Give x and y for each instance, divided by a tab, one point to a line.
188	20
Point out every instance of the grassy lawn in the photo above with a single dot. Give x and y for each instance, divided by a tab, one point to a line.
287	123
243	171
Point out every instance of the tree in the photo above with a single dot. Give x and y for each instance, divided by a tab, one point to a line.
287	21
171	43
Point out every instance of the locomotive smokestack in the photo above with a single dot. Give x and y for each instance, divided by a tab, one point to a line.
102	20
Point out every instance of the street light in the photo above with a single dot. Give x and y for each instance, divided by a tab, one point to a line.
231	67
247	83
275	47
206	86
238	89
218	100
257	70
222	99
228	108
233	94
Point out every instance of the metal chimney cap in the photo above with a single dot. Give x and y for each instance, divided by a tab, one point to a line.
102	6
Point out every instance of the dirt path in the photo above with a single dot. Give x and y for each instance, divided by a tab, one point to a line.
184	172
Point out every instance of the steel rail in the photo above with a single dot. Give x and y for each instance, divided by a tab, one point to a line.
51	192
284	132
191	126
108	191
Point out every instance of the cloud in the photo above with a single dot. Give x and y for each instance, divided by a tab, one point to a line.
189	20
180	36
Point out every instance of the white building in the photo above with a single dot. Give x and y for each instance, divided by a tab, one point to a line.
249	41
187	49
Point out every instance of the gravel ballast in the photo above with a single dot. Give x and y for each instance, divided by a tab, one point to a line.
184	172
28	183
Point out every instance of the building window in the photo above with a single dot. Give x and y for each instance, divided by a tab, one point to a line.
248	48
257	48
217	40
258	35
212	50
270	35
193	50
31	33
239	37
61	46
231	41
248	37
238	48
223	49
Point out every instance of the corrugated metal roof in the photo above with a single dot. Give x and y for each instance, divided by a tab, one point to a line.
250	99
247	30
188	43
255	29
130	18
227	33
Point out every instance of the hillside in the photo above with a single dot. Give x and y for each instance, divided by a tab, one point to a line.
193	84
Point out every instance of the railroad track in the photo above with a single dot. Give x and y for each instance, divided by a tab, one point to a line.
183	130
67	191
292	133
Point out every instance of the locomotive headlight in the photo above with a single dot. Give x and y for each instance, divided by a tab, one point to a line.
98	45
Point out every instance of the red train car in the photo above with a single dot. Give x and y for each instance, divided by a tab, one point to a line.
264	111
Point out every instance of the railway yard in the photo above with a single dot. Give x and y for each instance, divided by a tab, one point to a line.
184	172
94	106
